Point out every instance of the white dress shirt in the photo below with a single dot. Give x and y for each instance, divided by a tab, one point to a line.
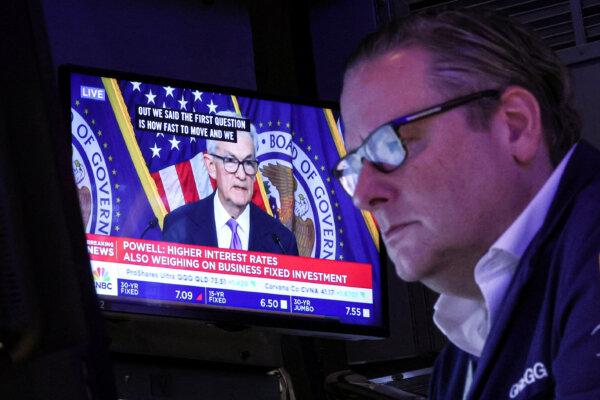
467	323
223	230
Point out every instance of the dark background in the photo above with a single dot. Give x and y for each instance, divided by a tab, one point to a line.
286	48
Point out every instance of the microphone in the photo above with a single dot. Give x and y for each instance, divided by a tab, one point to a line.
276	240
151	224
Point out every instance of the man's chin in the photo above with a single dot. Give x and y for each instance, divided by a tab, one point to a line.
408	270
406	274
242	201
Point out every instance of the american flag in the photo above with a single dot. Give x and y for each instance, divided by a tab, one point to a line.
176	162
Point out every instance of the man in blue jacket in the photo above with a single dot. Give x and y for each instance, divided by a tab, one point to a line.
227	218
464	144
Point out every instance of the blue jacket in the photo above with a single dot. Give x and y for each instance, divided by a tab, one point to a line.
194	223
545	342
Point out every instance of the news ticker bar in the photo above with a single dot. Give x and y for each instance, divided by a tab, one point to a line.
179	257
342	310
106	275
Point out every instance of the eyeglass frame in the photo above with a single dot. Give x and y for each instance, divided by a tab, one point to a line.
222	158
396	123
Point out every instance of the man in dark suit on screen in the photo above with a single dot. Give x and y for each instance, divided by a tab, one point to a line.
227	218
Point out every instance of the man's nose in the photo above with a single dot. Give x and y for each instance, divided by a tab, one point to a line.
372	190
241	172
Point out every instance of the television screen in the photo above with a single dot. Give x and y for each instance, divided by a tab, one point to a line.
162	167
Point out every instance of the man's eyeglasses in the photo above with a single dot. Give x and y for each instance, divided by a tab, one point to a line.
384	147
232	164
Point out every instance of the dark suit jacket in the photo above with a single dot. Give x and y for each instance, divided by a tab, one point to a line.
194	223
545	342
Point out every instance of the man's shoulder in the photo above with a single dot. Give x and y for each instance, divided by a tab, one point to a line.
189	217
581	177
269	234
191	209
560	274
584	214
189	223
570	260
576	214
573	246
589	166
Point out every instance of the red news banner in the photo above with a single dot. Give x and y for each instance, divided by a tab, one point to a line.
148	253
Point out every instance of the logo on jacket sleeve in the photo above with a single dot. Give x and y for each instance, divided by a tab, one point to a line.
532	374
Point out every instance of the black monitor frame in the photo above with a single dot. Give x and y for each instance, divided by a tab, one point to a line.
306	326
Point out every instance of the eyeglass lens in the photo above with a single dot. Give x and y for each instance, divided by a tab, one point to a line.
232	165
383	149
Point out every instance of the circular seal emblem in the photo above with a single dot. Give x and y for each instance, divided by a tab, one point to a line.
297	194
91	177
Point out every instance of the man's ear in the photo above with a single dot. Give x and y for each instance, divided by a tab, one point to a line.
521	113
210	165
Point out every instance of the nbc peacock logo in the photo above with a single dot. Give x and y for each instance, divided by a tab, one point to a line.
101	279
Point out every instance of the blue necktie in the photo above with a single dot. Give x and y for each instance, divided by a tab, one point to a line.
236	242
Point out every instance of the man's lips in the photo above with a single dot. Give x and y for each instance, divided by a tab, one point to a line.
395	228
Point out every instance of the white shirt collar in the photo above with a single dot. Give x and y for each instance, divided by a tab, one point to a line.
223	231
466	322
